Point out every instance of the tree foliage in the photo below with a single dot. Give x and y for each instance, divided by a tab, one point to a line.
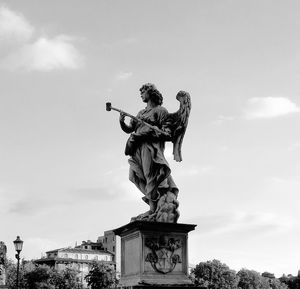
214	275
32	276
101	276
39	277
65	279
210	275
11	273
277	284
249	279
291	282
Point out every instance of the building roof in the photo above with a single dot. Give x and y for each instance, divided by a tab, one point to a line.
81	251
68	260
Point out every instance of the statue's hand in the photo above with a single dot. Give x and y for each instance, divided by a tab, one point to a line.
122	117
156	132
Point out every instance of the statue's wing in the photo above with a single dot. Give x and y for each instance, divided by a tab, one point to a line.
178	122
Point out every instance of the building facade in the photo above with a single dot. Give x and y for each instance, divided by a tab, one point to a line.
111	243
79	258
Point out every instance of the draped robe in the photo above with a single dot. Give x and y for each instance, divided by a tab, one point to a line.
148	168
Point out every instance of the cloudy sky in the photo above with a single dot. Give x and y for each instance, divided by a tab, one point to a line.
63	173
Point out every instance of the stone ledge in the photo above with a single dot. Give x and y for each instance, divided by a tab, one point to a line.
155	227
161	287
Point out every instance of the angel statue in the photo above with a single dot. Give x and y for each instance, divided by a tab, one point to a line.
148	167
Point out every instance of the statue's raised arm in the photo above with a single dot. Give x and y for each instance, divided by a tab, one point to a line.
149	170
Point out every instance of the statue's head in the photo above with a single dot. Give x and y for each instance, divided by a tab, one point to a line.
153	93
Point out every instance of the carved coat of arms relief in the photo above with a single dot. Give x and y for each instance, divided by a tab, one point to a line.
165	253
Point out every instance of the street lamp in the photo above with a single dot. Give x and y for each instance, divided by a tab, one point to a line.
18	246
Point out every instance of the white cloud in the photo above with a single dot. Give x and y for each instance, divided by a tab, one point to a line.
124	75
40	53
13	26
45	55
269	107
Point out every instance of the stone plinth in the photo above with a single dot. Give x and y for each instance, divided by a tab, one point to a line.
154	254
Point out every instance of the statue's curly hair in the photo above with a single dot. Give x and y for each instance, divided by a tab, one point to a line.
153	92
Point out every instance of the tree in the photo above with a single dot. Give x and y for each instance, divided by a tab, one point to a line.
250	279
276	284
39	277
32	276
101	276
49	278
292	282
214	275
66	279
11	273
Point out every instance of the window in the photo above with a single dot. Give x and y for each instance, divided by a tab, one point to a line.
66	255
86	257
96	258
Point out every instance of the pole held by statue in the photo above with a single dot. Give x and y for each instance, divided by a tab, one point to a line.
109	107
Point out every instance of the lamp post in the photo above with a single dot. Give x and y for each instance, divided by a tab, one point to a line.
18	246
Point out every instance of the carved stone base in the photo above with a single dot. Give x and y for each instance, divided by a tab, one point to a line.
154	254
161	287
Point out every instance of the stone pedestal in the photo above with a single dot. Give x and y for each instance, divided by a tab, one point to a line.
154	255
3	251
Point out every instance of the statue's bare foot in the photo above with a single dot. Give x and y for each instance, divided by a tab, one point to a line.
147	216
152	216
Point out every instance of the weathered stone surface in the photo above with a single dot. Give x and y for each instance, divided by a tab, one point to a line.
161	287
154	254
3	251
148	167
